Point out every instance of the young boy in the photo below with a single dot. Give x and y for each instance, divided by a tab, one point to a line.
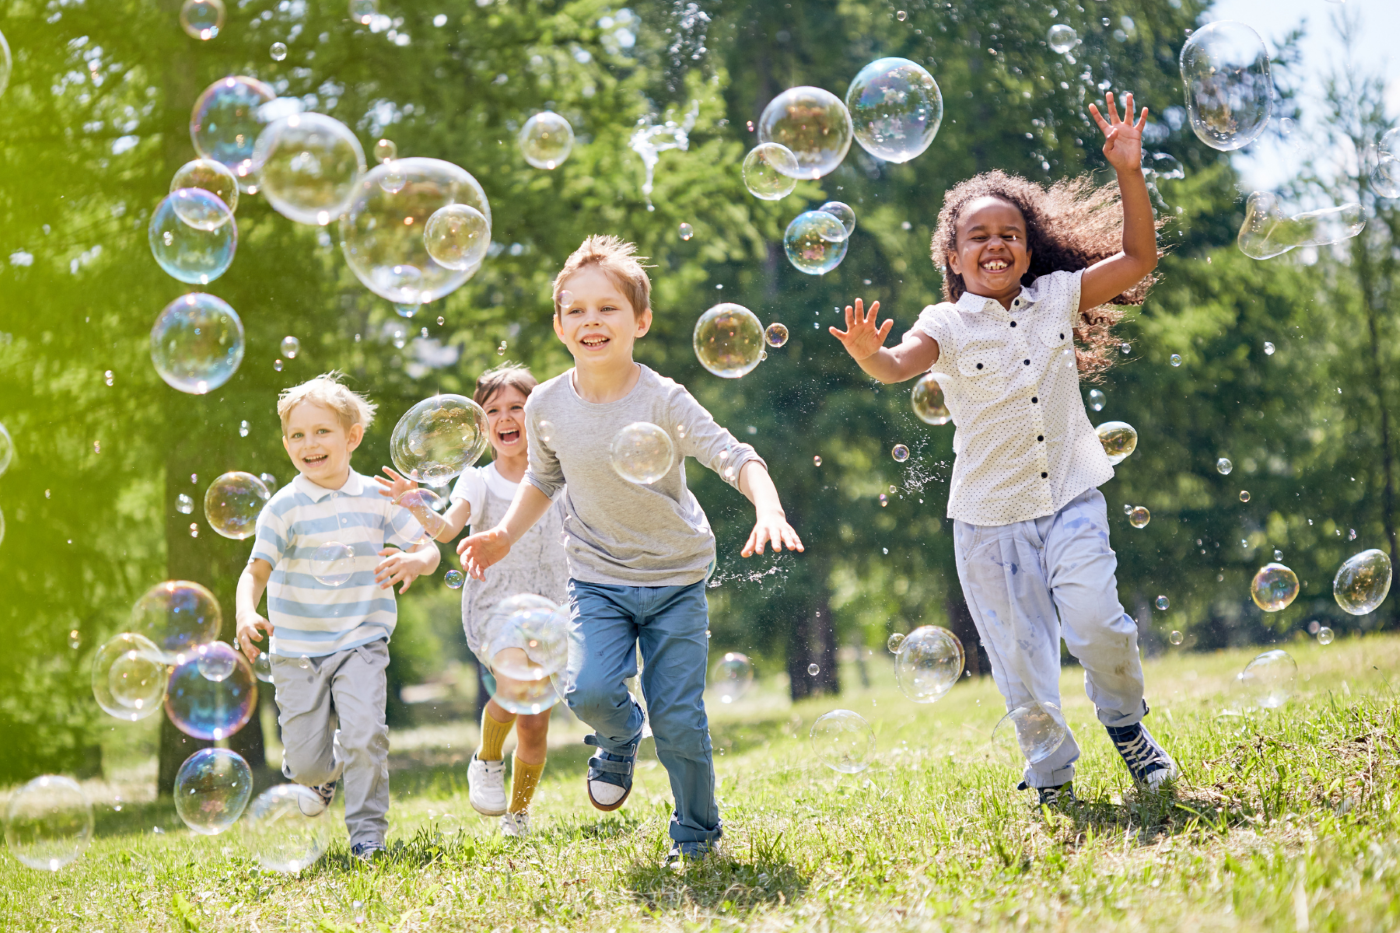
329	634
638	555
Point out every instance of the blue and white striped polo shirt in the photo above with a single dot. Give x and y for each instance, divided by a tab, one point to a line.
310	617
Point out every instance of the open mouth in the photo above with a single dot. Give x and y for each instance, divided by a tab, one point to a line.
509	436
996	265
315	460
594	341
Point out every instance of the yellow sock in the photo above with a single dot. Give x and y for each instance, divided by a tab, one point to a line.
493	736
526	777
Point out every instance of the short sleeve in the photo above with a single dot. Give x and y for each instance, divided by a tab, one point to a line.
401	528
1060	291
544	471
934	321
703	438
471	489
270	542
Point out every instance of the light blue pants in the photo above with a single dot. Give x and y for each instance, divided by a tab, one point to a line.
607	624
1016	578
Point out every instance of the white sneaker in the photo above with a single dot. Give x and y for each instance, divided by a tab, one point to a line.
486	786
516	824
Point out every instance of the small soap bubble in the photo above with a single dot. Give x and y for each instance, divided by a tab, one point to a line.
546	140
202	19
392	180
1362	582
901	16
333	564
642	453
1062	38
813	670
441	320
184	504
108	377
206	708
75	639
197	343
286	828
1225	68
1119	439
1268	349
304	663
686	231
194	530
1096	400
1139	516
48	822
728	340
457	236
817	460
213	177
842	212
385	150
927	663
129	677
1274	587
1126	348
1176	637
815	242
843	741
438	438
1163	603
262	667
291	346
309	167
776	335
770	171
928	402
1244	495
895	108
243	429
278	51
1176	359
731	677
1223	466
454	579
894	642
362	11
900	454
1278	555
1267	682
212	788
813	124
269	481
1325	636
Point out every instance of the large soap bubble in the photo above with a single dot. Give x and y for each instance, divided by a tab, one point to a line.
642	453
211	709
202	19
208	175
193	236
815	242
728	340
457	236
813	124
177	615
6	63
1229	94
770	171
526	643
438	438
731	677
226	121
287	828
381	233
1033	732
843	741
1267	681
233	502
895	107
1362	583
1118	438
48	822
546	140
1274	587
1268	232
928	663
129	675
928	402
212	788
308	165
197	343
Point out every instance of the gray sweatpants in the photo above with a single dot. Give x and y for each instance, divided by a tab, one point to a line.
350	686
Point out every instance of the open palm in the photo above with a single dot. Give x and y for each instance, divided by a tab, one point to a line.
1122	144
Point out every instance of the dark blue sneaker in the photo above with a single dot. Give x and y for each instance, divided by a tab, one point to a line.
367	851
610	775
1147	762
681	853
1059	796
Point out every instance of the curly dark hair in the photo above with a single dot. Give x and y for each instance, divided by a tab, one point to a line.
1070	225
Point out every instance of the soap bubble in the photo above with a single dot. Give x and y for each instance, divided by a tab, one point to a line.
202	19
393	179
1062	38
843	741
1268	232
1268	348
928	661
770	171
842	212
309	166
895	107
1176	359
286	828
1118	438
454	579
1229	93
214	664
731	677
192	236
1176	637
386	150
212	788
381	233
333	564
197	343
1244	495
6	63
262	667
1139	516
1325	636
457	236
813	670
177	615
213	177
817	460
362	11
815	242
291	346
1163	603
1097	399
776	335
900	453
211	709
48	822
1223	466
686	231
438	438
546	140
233	502
526	642
423	505
1274	587
129	676
1385	177
1362	583
7	449
928	402
642	453
813	124
184	504
1164	166
226	121
1267	681
1033	732
269	481
278	51
893	643
728	339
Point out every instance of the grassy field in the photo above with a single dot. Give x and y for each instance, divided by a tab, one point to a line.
1282	821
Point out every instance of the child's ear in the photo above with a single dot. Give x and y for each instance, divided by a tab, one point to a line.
355	435
558	327
643	323
954	264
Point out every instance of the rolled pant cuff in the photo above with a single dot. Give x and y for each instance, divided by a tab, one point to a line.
1116	720
686	835
1055	778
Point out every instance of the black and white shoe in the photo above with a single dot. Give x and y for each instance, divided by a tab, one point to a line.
609	779
1060	796
1147	762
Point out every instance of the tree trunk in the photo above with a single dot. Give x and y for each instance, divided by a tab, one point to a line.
960	621
812	640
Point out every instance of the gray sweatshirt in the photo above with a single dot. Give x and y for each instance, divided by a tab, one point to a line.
616	531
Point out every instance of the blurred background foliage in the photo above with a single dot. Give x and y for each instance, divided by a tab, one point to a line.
95	122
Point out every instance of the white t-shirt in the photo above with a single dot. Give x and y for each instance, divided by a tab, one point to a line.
471	488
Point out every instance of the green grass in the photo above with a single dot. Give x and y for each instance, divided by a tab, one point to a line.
1284	821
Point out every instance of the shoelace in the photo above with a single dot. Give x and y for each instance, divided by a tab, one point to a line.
1138	752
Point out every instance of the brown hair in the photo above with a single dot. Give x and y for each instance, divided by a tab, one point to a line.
350	407
1070	225
513	375
619	261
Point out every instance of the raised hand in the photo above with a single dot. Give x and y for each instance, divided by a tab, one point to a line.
396	485
1122	145
480	551
862	337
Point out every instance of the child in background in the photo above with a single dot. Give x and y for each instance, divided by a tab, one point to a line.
330	643
638	554
1026	271
536	565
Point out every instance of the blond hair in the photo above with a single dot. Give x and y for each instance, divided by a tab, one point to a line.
514	375
619	261
350	407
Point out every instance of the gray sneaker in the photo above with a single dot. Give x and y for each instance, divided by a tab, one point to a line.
516	825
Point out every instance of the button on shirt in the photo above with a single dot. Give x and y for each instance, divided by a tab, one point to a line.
1024	447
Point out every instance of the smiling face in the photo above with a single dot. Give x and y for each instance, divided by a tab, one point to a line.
598	324
319	444
991	254
505	416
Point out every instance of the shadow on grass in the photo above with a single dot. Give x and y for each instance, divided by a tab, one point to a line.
1152	816
735	882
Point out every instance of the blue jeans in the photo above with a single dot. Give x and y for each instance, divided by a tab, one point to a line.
607	623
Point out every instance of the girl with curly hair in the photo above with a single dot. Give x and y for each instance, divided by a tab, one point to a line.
1027	274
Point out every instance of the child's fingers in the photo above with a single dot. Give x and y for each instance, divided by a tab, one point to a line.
1112	103
850	321
1098	118
794	543
860	308
874	312
1128	107
1142	120
840	335
885	329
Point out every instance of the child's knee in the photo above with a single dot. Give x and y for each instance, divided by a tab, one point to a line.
683	732
308	768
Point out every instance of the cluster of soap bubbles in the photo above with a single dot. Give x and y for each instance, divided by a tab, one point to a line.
233	502
1119	439
642	453
438	438
526	644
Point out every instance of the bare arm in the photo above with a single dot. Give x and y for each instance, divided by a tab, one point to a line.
250	626
480	551
864	340
770	521
455	518
1123	148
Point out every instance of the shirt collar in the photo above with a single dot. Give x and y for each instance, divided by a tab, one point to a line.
975	304
354	486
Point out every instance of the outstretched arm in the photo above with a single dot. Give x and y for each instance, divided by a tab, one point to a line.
863	338
770	521
480	551
1123	148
